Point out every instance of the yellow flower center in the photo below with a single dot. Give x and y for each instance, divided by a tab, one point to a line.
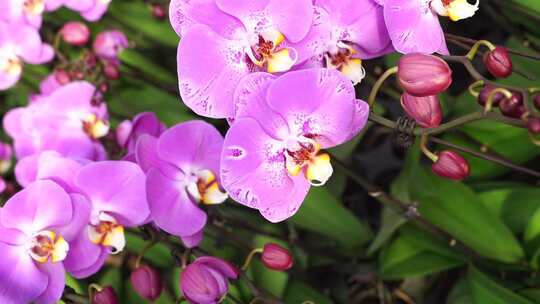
47	246
344	62
34	7
455	9
107	232
206	189
95	127
304	153
267	54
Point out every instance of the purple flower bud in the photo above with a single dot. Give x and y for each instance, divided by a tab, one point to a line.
423	75
146	282
107	295
75	33
536	101
513	106
159	12
109	43
533	124
62	76
276	257
484	95
498	62
451	165
111	70
426	111
205	281
123	132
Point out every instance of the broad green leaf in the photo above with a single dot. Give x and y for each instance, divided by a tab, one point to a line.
391	221
323	213
426	241
299	292
455	208
158	255
486	290
405	259
138	61
532	238
532	294
460	293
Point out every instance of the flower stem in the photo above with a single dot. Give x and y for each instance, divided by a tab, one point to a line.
378	84
470	55
423	146
143	251
491	97
475	85
250	257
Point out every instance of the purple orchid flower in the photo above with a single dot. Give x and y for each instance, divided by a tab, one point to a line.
129	132
91	10
224	40
19	43
109	44
6	153
25	11
182	167
116	191
342	34
66	121
206	280
271	154
414	25
36	226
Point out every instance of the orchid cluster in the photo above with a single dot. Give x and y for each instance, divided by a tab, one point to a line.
282	75
20	40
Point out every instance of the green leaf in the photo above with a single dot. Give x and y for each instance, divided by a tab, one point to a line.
532	238
532	294
140	62
460	293
321	212
300	292
391	221
455	208
405	259
159	255
485	290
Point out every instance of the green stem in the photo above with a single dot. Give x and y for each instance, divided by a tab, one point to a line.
475	85
489	102
470	55
379	83
250	257
423	146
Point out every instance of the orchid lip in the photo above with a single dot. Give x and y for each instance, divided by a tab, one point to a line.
302	155
47	246
107	232
267	53
95	127
343	61
204	188
34	7
455	9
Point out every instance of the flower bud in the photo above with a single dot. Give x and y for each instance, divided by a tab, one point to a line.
111	70
423	75
276	257
146	282
536	101
451	165
123	132
533	124
426	111
75	33
206	280
62	76
107	295
484	95
159	12
109	43
498	62
513	106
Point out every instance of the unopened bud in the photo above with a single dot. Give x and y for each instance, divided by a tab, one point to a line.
111	71
276	257
513	106
159	12
426	111
451	165
62	76
498	62
484	95
423	75
533	124
106	295
146	282
75	33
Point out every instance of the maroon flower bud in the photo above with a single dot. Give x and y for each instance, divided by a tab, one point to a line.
533	124
107	295
62	76
536	101
484	95
75	33
423	75
90	60
498	62
146	282
513	106
159	12
426	111
103	87
451	165
276	257
111	71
